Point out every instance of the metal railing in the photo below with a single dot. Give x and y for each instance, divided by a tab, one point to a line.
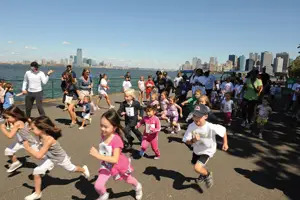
53	90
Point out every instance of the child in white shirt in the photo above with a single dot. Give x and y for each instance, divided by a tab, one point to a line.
126	83
226	108
264	111
202	136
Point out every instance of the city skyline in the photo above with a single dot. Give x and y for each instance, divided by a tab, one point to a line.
153	34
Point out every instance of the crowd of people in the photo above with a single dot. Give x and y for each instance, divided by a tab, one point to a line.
160	99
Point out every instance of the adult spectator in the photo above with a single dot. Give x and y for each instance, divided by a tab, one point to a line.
198	81
85	84
169	83
265	78
252	89
32	88
161	83
209	82
63	87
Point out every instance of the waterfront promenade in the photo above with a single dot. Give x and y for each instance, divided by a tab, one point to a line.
252	169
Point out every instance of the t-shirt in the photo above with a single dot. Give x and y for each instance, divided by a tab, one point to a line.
87	108
237	91
199	84
122	167
227	87
264	111
103	83
207	143
176	81
209	83
8	100
126	85
295	88
250	93
71	89
152	124
141	85
227	106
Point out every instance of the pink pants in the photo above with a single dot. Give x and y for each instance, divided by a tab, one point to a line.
151	139
103	177
227	117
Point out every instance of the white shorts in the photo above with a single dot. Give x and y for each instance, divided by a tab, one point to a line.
86	115
48	165
16	146
102	93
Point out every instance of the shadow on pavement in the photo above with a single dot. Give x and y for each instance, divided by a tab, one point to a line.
63	121
178	178
86	187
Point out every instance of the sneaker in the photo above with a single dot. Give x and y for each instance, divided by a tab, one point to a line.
260	135
200	179
156	157
81	128
138	192
178	128
172	132
14	166
33	196
103	196
209	180
90	120
86	172
111	107
142	153
168	120
72	125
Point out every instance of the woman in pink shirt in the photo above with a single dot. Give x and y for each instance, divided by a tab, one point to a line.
152	127
113	161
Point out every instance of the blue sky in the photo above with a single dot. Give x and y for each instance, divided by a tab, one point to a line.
152	33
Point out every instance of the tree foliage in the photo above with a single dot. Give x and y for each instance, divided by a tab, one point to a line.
295	67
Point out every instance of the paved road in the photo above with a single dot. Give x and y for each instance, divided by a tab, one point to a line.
251	169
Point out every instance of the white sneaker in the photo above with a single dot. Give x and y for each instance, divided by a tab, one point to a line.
168	120
86	172
14	166
104	196
156	157
90	120
138	192
33	196
172	132
243	124
178	127
111	106
81	128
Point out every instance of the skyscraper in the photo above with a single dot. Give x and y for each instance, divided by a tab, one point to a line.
266	61
194	62
278	64
249	64
286	60
233	59
241	63
79	58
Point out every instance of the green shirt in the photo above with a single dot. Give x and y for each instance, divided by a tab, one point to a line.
192	102
250	93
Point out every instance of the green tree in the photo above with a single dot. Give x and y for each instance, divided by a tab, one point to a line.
295	67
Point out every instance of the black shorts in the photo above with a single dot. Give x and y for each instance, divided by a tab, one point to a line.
202	159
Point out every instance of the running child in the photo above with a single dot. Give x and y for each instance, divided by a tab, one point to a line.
152	128
264	111
227	107
102	90
126	83
164	102
153	100
9	96
132	110
51	153
2	93
141	86
202	136
149	86
21	130
172	115
86	113
113	162
192	101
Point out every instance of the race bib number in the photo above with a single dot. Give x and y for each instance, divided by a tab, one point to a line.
11	100
161	87
129	111
149	127
105	150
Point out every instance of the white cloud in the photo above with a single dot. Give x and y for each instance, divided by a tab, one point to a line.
10	42
31	47
66	43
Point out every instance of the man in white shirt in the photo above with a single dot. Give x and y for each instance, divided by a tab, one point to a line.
202	136
209	82
32	87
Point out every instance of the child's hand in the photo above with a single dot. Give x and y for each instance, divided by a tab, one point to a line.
181	115
225	147
182	103
123	113
94	152
140	118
